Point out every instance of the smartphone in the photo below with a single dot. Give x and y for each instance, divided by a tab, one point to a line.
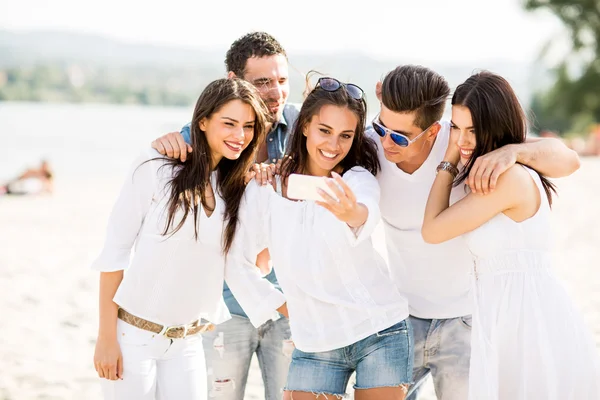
304	187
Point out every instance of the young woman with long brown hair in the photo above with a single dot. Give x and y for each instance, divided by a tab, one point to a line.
346	315
528	340
182	219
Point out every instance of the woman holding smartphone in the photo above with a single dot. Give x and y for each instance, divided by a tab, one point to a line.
345	313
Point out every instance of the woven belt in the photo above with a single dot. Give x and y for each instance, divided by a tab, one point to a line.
172	332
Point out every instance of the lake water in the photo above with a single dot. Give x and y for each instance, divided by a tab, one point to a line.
90	140
81	140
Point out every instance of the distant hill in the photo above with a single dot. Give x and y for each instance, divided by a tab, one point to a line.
186	71
52	46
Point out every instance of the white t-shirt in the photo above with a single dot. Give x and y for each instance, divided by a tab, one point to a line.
337	286
433	277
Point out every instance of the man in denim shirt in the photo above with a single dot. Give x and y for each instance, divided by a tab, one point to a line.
258	58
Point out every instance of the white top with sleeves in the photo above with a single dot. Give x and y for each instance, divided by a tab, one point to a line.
337	286
173	279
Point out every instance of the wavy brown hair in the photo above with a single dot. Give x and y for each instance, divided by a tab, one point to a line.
363	151
498	118
190	179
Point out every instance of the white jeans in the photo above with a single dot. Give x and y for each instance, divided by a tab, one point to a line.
156	367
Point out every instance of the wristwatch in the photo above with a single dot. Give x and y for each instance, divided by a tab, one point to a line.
447	166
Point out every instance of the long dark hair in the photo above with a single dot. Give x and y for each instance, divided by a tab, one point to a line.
363	151
190	179
498	118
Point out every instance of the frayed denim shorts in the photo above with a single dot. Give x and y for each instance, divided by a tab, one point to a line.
384	359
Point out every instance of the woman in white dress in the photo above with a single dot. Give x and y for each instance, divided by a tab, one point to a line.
181	218
346	315
528	340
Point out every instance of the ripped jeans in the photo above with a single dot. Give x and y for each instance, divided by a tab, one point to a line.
383	359
229	349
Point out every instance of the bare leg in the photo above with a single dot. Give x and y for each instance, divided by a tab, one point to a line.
382	393
296	395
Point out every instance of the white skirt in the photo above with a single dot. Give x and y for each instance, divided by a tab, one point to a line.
528	340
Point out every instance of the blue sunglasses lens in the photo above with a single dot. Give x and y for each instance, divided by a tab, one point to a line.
380	131
399	140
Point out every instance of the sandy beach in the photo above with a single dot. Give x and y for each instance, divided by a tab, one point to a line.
48	294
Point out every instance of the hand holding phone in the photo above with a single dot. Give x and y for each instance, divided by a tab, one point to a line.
338	198
305	187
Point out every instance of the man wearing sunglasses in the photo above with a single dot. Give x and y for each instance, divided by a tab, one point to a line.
261	60
412	141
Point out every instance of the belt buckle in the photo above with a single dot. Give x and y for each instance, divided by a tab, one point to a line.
206	327
176	327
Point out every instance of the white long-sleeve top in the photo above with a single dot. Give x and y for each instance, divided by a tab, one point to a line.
176	279
337	286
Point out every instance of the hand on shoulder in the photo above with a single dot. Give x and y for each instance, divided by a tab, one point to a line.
172	145
517	189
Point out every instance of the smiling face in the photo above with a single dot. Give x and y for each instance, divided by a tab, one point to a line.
401	123
411	157
269	75
329	137
462	124
229	130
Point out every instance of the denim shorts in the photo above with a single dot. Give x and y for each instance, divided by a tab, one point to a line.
384	359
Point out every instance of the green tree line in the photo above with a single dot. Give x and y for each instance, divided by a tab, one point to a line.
76	84
572	102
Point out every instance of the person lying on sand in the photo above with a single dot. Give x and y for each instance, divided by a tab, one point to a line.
32	181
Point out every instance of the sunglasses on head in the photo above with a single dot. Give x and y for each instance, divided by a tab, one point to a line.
332	84
399	138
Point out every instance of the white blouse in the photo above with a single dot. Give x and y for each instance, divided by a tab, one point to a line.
337	286
176	279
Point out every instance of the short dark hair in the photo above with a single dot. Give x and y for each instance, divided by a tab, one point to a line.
254	44
410	88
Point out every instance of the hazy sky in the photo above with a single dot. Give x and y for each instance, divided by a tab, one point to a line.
428	30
